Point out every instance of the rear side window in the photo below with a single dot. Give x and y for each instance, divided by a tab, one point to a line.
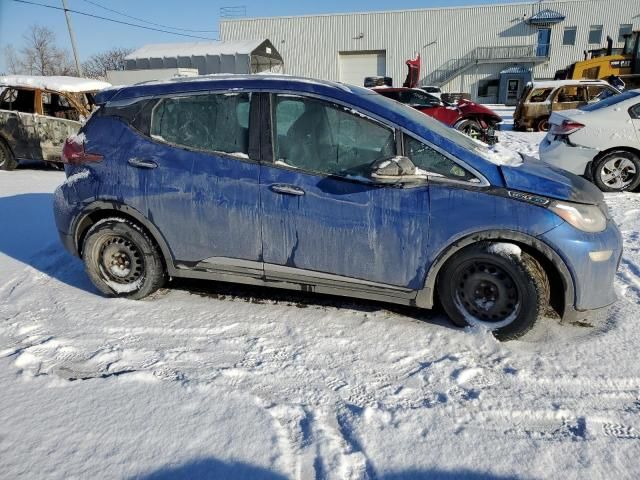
209	122
18	100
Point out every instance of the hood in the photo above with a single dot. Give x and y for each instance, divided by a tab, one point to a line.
534	176
468	107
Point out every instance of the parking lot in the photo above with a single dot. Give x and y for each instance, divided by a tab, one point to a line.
206	377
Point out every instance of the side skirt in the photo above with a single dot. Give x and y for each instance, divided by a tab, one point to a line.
276	276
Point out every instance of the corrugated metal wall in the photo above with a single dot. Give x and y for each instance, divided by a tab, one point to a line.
310	45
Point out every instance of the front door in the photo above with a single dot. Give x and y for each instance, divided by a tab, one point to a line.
320	213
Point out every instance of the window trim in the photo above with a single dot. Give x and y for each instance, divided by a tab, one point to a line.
216	153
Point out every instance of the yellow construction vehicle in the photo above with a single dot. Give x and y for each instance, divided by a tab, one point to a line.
608	63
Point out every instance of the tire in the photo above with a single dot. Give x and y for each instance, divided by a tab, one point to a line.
542	125
122	260
7	160
496	286
471	128
617	171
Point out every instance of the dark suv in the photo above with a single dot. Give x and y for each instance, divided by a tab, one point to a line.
324	187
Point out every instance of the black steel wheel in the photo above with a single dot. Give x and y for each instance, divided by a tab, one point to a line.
121	260
499	288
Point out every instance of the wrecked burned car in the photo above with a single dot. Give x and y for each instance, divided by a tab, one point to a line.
38	113
322	187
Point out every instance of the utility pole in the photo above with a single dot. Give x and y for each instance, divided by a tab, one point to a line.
73	37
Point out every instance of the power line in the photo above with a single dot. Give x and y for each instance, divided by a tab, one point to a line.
146	21
112	20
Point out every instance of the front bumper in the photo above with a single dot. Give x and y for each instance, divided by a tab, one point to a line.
592	279
572	158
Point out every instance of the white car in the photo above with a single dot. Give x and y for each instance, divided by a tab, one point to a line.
601	142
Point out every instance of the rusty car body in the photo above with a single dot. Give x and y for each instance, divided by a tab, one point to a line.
38	113
540	99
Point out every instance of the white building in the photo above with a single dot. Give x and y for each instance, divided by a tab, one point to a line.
463	49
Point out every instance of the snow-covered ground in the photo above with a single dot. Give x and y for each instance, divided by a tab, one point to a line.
219	381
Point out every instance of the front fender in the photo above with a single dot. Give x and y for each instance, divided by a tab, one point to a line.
425	296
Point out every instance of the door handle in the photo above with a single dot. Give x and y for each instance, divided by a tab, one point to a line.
287	189
141	163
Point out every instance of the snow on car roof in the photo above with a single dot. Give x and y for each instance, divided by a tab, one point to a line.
560	83
56	83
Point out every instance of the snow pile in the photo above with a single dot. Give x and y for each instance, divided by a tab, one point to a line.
55	83
505	249
499	154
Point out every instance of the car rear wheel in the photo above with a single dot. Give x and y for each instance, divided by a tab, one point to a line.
121	260
7	160
617	171
495	286
470	128
542	124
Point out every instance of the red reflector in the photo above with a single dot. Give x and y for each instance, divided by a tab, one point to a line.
567	127
73	153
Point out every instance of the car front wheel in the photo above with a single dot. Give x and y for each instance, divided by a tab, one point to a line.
121	260
617	171
495	286
470	128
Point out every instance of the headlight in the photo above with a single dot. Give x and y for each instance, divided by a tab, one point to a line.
588	218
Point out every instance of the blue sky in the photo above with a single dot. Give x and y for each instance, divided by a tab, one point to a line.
96	35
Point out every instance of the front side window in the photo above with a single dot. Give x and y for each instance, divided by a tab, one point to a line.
433	162
569	36
209	122
321	137
18	100
540	95
599	92
595	34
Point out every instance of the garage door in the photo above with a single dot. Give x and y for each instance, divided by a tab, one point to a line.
354	66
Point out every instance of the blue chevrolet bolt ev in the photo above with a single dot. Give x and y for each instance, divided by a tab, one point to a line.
324	187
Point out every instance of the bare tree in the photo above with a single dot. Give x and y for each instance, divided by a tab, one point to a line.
11	59
97	65
40	55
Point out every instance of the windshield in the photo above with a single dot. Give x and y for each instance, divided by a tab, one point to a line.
612	100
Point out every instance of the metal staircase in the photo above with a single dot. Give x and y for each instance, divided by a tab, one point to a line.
455	67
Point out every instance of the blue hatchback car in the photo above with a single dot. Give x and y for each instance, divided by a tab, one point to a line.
323	187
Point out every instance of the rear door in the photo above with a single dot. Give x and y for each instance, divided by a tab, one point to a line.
18	122
60	119
322	217
197	182
570	97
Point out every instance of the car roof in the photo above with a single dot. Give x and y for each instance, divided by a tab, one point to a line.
563	83
56	83
230	82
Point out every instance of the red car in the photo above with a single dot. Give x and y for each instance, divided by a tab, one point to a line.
470	118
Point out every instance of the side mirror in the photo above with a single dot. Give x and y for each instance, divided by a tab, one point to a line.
396	169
